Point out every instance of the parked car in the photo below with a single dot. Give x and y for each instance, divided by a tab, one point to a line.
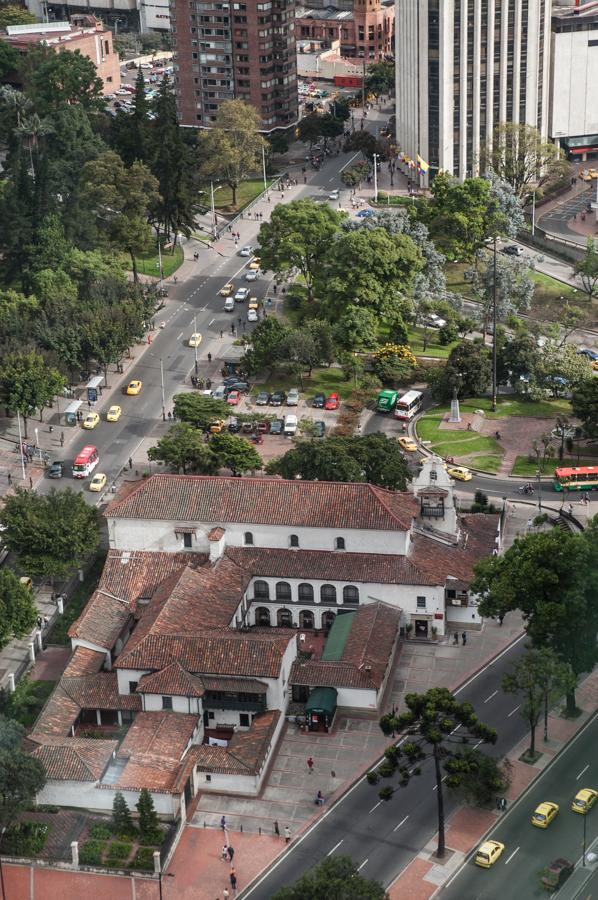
242	294
293	397
216	426
556	874
366	213
290	425
219	393
332	401
234	426
230	380
513	250
56	469
278	398
262	427
434	321
276	426
262	399
319	401
247	428
234	398
333	195
98	482
592	355
241	386
246	251
319	428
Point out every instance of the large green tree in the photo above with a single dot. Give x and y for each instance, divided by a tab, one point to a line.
336	878
18	612
199	410
27	383
21	776
50	534
514	289
184	447
587	269
235	453
429	725
53	79
584	403
520	157
468	371
232	146
380	78
13	14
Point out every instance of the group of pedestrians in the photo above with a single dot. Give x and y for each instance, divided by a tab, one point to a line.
463	637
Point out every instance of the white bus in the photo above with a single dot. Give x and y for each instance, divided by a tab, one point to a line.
408	405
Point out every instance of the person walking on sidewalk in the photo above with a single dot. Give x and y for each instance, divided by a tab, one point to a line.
209	357
225	894
223	824
464	638
9	476
287	834
233	881
224	853
456	638
231	853
310	764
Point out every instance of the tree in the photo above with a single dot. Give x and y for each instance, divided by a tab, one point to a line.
483	778
299	235
279	142
184	447
149	823
267	342
336	878
18	612
351	177
300	348
21	776
560	368
546	577
514	289
309	128
9	56
429	723
380	78
587	269
540	678
11	14
51	535
357	328
394	363
584	403
56	79
468	370
232	147
382	460
330	127
199	410
235	453
122	820
517	357
520	156
27	383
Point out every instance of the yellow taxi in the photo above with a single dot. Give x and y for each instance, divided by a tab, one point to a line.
253	303
593	173
195	339
91	420
584	800
544	814
594	363
113	414
460	473
585	176
134	387
98	482
408	444
216	426
255	263
227	290
488	853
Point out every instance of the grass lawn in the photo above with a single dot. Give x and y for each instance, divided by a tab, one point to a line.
392	200
523	466
433	348
322	380
149	263
517	406
463	444
246	192
59	631
484	463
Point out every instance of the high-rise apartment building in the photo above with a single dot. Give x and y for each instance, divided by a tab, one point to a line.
235	50
464	66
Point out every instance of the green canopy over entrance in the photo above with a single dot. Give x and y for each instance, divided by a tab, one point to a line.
320	708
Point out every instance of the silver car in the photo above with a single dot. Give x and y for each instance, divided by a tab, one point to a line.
293	397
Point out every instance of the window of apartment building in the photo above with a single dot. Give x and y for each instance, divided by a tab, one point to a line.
421	602
133	686
106	48
306	593
328	594
166	702
261	590
294	540
244	720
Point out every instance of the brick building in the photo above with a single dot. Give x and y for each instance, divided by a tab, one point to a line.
243	51
83	33
362	29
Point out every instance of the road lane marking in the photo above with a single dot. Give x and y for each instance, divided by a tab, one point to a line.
402	822
455	729
442	779
513	711
375	807
507	861
491	696
355	155
475	746
582	771
179	336
359	868
211	322
491	663
336	846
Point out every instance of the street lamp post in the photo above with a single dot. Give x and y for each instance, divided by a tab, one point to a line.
494	386
212	191
264	167
538	477
195	342
375	177
162	387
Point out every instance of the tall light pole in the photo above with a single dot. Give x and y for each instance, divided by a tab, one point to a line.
583	857
533	213
375	177
538	477
162	386
264	167
212	190
160	262
195	341
22	455
494	385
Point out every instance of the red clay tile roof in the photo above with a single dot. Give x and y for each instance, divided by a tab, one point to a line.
172	681
235	685
319	673
74	759
246	752
159	735
84	662
216	759
329	565
211	653
216	533
440	561
58	715
269	501
98	692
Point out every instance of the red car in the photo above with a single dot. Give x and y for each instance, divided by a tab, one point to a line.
333	401
233	398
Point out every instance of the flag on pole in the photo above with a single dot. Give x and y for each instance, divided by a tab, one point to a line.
422	165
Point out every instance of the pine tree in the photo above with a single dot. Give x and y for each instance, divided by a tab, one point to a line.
121	815
149	824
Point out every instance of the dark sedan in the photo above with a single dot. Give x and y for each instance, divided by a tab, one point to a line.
319	401
55	470
276	426
278	398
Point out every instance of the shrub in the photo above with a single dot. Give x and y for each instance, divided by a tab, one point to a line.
121	815
373	777
392	754
386	792
100	833
387	769
91	853
144	859
149	824
45	807
119	850
25	838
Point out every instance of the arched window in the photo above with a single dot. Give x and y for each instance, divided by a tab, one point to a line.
294	540
262	616
350	594
283	590
328	620
306	618
284	618
248	538
339	543
306	593
261	590
328	594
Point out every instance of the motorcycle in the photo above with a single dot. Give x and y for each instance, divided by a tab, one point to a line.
526	488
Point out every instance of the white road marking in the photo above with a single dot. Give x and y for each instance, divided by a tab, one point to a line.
375	807
402	822
582	772
507	861
491	696
211	322
179	336
359	868
455	729
336	846
513	711
355	155
475	746
443	779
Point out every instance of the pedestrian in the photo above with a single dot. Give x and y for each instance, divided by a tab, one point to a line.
570	509
276	828
224	853
233	878
209	357
287	834
530	524
221	333
456	638
130	463
500	619
274	289
310	764
39	621
45	621
231	852
236	244
30	483
223	824
464	638
586	497
9	479
225	894
89	404
62	438
282	195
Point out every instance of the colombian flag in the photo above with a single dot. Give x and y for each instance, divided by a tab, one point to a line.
422	165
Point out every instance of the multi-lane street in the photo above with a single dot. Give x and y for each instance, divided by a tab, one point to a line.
382	837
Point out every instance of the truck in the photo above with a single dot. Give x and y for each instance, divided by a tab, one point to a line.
386	401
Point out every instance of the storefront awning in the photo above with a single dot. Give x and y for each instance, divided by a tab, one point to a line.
322	700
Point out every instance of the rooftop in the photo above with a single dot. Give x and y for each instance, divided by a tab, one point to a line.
73	759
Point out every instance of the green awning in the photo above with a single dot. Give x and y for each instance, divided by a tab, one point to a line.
337	637
322	700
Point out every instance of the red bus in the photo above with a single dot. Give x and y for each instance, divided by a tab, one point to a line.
86	462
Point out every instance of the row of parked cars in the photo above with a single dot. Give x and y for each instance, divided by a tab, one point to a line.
282	398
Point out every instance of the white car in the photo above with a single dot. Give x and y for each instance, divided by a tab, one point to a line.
146	66
293	397
242	294
251	275
333	195
246	251
122	93
435	321
229	305
252	315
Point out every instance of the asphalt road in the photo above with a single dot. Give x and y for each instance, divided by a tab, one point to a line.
382	837
529	849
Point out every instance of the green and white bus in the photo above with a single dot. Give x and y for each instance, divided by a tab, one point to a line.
576	478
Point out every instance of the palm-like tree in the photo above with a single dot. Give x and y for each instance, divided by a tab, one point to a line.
34	128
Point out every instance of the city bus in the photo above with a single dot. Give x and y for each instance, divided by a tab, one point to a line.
576	478
408	405
86	462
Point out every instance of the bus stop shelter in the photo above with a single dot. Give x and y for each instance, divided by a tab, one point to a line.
320	709
93	386
70	413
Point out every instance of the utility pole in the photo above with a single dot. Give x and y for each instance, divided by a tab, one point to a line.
162	386
375	177
494	386
195	341
363	86
263	169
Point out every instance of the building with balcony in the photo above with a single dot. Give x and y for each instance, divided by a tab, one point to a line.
244	51
363	30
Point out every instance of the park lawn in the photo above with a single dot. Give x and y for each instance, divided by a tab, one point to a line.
482	462
58	634
524	466
149	263
246	192
455	280
433	348
463	444
514	405
323	381
392	200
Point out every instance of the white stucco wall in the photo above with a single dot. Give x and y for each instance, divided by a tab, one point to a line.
354	698
187	705
85	795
